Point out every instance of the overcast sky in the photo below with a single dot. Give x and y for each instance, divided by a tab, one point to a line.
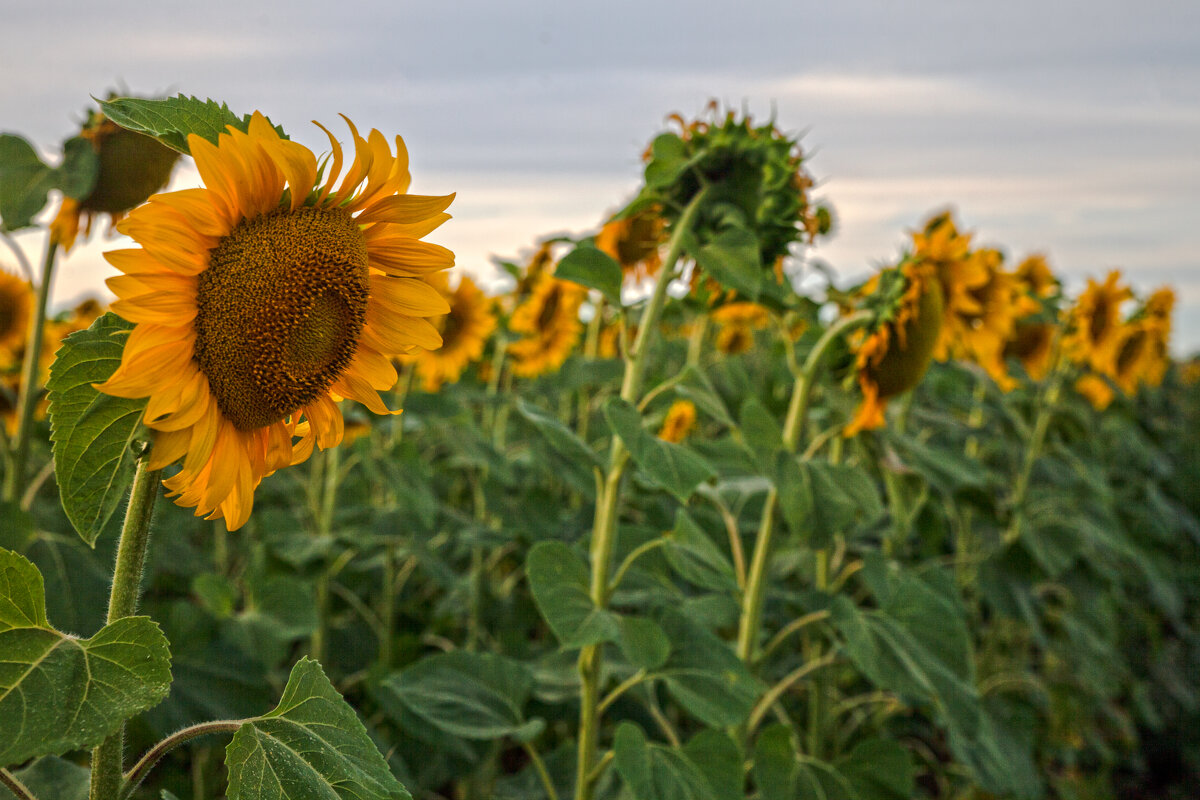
1071	129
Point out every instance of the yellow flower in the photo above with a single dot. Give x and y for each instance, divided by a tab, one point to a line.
549	322
465	330
893	358
981	333
132	167
633	242
1095	389
680	419
1035	277
1095	324
16	304
736	325
264	298
1033	345
1142	355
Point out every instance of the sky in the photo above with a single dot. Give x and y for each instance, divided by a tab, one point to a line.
1066	128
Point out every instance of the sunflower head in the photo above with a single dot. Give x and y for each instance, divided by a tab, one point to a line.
264	298
549	326
1095	324
1032	344
680	419
736	324
755	176
893	356
132	166
1096	390
1034	276
16	304
464	330
634	241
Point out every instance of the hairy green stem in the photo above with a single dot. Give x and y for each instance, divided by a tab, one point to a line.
122	602
604	525
134	777
14	479
14	785
797	415
325	495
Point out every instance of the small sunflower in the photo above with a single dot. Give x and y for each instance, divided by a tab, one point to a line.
633	242
465	330
892	358
736	324
680	419
549	323
1095	324
264	298
1096	390
1142	355
132	167
1034	276
940	245
16	304
1032	344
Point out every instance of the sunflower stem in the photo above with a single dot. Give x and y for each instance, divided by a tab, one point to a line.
14	785
14	479
326	470
123	600
604	526
134	777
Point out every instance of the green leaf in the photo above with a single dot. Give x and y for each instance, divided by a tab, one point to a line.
16	526
471	695
733	259
58	692
170	120
670	466
668	160
705	675
311	745
720	761
560	584
25	180
52	778
643	642
780	775
879	769
562	439
93	433
694	385
693	554
593	268
795	492
822	499
1001	754
761	433
653	772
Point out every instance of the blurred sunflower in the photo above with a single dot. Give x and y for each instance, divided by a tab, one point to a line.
465	330
1096	390
549	323
132	166
1032	344
892	358
1094	331
1034	276
1142	355
264	298
633	242
16	304
736	324
680	419
982	332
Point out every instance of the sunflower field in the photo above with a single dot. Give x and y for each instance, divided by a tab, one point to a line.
654	524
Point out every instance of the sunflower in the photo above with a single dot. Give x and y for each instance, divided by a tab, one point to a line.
680	419
737	323
465	330
633	242
1142	355
1095	324
258	307
892	358
1034	276
940	245
1032	344
132	166
549	323
1096	390
16	304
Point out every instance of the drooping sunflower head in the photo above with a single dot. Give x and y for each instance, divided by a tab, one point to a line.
940	245
464	330
982	330
893	355
1032	344
1142	350
132	166
1095	322
736	323
1035	277
680	419
264	298
549	325
16	304
634	241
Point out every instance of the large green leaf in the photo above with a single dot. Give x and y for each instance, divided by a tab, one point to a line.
58	692
312	745
705	675
170	120
653	772
733	259
562	439
93	433
559	581
52	778
671	466
593	268
472	695
693	554
879	769
25	180
720	761
780	774
820	500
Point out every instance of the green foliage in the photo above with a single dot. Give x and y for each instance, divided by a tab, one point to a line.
559	581
52	777
310	745
172	119
652	772
59	692
671	466
94	434
593	268
25	180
